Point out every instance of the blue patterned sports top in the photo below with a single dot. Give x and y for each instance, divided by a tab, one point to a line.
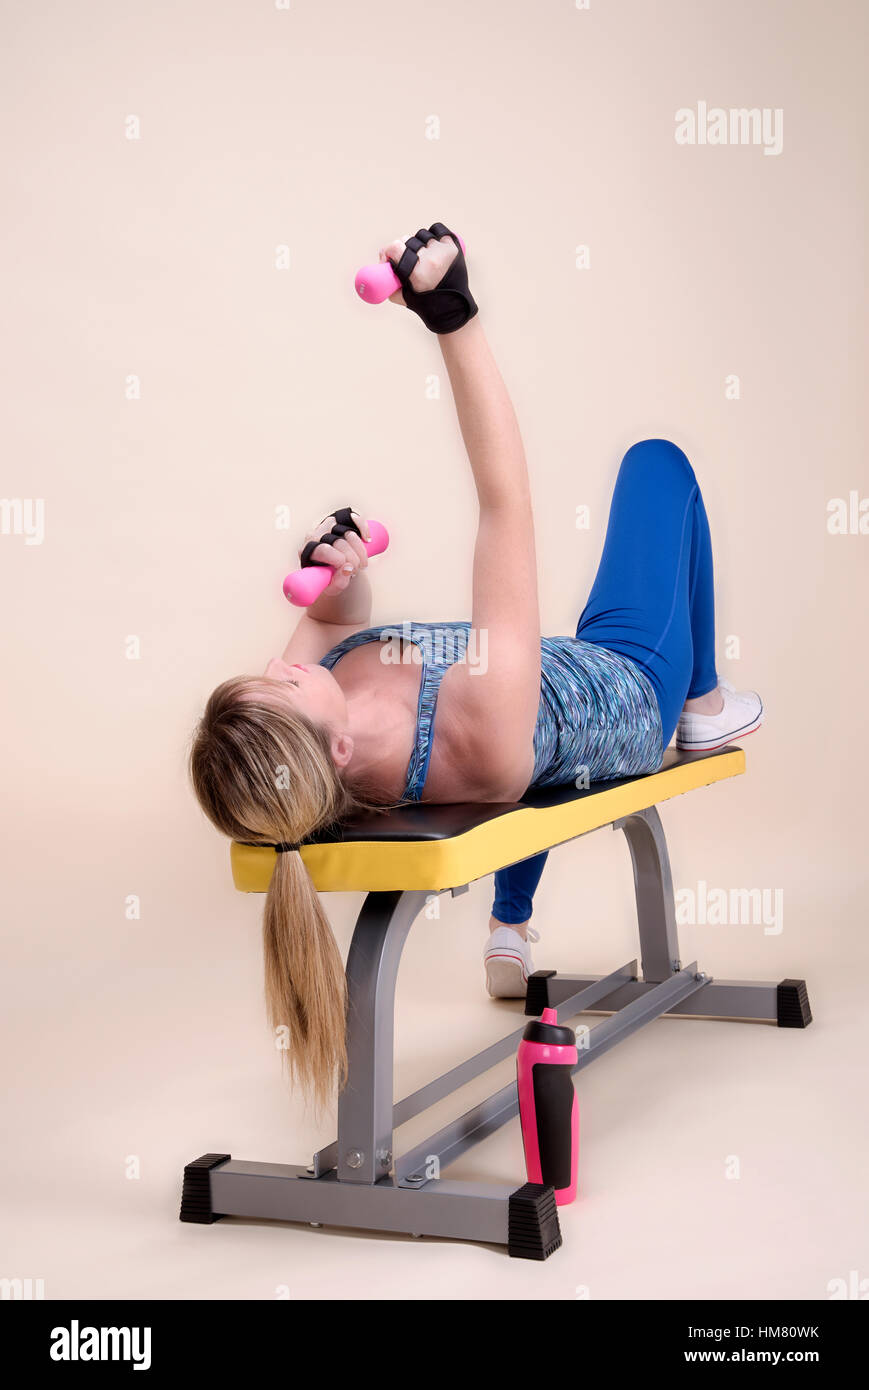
598	718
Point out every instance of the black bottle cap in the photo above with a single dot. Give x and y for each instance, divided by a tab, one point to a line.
553	1034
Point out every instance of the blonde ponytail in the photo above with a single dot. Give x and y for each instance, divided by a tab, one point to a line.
264	774
305	984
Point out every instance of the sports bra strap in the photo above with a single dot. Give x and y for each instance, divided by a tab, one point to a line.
440	645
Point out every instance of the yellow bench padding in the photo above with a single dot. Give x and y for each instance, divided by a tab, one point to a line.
431	865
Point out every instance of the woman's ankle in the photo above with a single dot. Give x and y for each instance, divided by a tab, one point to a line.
520	927
710	703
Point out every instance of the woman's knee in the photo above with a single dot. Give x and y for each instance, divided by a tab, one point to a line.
660	456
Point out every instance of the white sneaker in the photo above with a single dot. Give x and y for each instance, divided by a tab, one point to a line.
741	715
508	963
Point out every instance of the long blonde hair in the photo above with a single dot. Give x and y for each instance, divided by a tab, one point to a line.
263	774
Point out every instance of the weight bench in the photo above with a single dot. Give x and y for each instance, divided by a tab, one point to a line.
400	859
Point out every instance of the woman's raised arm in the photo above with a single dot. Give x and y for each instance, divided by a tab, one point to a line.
502	694
498	688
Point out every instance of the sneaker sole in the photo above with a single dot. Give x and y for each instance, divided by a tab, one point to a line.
506	977
707	745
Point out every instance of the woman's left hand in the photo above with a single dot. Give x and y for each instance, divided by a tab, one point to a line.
346	555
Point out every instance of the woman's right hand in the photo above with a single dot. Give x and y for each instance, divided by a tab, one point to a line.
434	261
346	554
433	275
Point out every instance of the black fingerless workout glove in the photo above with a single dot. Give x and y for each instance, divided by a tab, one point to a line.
343	523
450	304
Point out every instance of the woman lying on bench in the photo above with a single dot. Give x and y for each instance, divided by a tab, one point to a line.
336	724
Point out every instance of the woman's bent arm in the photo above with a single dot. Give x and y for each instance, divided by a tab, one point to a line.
343	608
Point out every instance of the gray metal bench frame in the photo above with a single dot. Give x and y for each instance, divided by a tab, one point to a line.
356	1181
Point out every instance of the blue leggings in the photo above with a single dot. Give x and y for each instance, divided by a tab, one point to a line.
651	601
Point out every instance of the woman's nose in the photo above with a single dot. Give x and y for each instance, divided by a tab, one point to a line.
277	670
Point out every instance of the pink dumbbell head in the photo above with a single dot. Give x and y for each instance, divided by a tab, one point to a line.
374	283
303	586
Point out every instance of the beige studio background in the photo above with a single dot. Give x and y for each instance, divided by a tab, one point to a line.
134	1045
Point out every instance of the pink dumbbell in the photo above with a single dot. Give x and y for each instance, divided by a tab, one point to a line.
374	283
303	586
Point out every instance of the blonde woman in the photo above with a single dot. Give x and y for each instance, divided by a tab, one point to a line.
352	730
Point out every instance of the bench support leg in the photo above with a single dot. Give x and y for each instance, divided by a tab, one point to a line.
349	1182
365	1106
653	884
783	1002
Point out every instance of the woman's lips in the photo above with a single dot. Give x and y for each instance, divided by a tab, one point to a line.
297	666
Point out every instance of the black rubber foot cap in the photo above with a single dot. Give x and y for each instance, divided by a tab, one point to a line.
537	993
533	1232
792	1004
196	1189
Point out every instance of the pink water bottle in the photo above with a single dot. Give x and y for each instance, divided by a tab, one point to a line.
548	1107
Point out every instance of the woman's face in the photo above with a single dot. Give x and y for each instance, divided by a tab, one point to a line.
312	690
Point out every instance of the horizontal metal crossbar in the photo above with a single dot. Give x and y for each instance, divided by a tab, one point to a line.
589	993
736	1000
428	1158
461	1210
